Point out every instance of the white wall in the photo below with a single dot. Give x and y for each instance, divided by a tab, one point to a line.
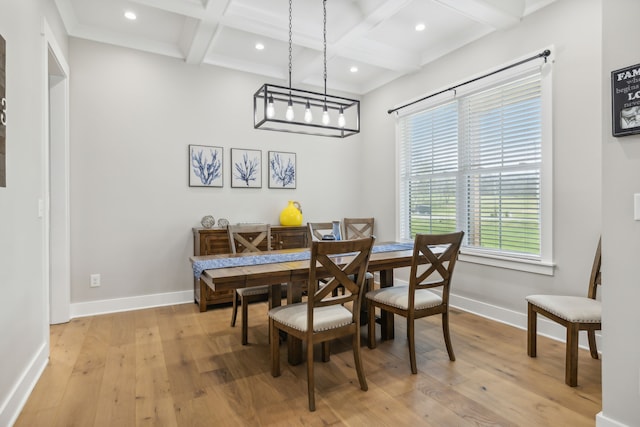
621	234
133	117
24	334
573	28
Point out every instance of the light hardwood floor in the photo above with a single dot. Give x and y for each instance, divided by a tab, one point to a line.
175	366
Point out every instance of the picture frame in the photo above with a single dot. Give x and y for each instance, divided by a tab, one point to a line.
3	113
205	166
283	170
246	168
625	101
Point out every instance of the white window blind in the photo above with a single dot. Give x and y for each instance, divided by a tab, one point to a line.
474	164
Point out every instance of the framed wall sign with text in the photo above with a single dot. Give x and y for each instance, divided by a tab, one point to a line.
3	114
625	100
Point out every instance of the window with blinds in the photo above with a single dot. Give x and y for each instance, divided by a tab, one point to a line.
474	164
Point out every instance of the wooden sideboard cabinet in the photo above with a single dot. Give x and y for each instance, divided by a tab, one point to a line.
212	241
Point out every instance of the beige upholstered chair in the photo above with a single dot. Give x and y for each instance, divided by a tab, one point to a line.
248	238
325	317
428	270
574	313
357	228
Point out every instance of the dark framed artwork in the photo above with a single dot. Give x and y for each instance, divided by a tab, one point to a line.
3	114
205	166
282	170
625	101
246	169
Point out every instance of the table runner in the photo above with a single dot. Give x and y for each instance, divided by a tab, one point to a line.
267	258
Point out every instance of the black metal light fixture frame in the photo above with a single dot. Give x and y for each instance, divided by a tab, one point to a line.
299	99
340	116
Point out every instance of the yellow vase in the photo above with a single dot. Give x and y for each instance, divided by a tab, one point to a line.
291	215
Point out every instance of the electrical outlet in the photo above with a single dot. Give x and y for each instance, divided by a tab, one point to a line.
95	280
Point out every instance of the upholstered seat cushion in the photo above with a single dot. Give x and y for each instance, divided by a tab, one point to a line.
254	290
398	296
570	308
324	318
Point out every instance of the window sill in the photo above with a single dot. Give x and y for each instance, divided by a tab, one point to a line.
529	266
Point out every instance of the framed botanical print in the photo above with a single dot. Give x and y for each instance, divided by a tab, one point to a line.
282	169
246	169
205	166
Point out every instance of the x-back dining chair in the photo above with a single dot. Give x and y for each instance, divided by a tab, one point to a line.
575	313
324	316
320	230
248	238
357	228
428	270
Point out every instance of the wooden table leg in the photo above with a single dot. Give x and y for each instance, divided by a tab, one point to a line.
203	296
294	345
386	320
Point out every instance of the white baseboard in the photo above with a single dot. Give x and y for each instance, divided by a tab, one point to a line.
92	308
17	398
602	421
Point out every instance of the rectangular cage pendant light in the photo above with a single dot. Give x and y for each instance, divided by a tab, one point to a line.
282	109
286	109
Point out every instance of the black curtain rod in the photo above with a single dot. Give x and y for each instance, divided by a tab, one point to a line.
543	54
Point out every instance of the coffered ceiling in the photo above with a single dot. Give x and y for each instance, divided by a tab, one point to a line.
378	37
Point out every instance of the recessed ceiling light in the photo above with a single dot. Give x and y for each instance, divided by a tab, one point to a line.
130	15
259	46
353	69
420	26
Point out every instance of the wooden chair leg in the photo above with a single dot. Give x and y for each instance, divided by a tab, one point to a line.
358	361
571	362
447	335
310	377
371	327
326	351
244	305
275	349
235	309
592	344
412	344
531	331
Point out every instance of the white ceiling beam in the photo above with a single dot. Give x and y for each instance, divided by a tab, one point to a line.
132	42
67	14
205	31
351	44
192	10
499	14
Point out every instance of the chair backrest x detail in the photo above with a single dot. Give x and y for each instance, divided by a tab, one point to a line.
247	238
345	262
358	228
319	229
438	267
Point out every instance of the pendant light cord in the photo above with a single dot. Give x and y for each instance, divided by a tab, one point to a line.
290	38
324	10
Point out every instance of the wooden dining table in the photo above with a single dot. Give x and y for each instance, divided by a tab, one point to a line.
294	274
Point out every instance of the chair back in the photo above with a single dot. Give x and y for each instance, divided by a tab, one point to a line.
431	270
596	277
249	238
358	228
345	262
319	229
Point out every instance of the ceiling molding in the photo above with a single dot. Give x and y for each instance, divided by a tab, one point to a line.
376	35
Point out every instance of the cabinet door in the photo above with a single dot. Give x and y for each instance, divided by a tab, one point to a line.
213	242
288	238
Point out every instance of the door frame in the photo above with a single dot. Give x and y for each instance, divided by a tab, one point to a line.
55	206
